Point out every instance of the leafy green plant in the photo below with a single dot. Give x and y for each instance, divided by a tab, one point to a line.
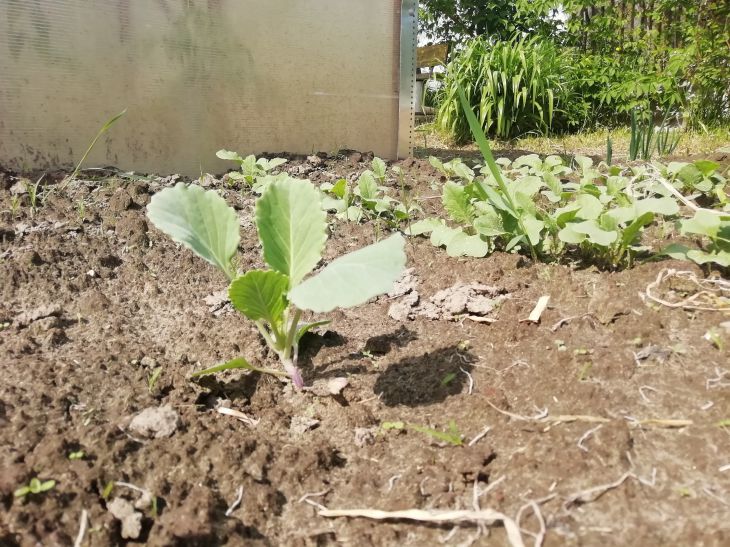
515	87
609	150
104	128
35	486
152	378
367	199
292	230
251	168
701	176
712	227
646	139
14	205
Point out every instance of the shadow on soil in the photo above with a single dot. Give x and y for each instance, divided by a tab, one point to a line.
426	379
374	346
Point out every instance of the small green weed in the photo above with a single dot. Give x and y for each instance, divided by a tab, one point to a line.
35	486
451	436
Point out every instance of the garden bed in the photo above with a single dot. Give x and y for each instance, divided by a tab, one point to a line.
599	424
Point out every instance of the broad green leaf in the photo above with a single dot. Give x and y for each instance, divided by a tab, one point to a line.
263	181
553	161
461	170
702	257
381	205
379	168
239	362
340	188
465	245
354	213
528	185
661	206
292	227
457	203
584	162
443	234
568	235
273	163
512	243
437	164
530	160
632	230
200	220
621	215
555	186
425	226
590	207
533	228
354	278
594	232
497	201
228	155
675	250
707	167
367	188
260	294
490	224
563	215
704	223
690	175
333	204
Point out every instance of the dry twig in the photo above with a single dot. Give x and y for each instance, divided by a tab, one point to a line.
592	494
479	436
236	502
708	291
565	320
486	516
83	523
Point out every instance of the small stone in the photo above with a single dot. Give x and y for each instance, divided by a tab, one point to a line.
20	188
405	284
155	422
364	436
403	308
131	520
26	318
148	362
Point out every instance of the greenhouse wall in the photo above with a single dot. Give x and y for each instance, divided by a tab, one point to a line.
195	76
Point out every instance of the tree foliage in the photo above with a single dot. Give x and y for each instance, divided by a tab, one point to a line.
654	55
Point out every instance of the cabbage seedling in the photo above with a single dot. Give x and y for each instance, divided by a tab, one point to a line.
292	229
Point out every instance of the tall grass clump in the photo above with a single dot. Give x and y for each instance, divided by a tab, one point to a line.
515	87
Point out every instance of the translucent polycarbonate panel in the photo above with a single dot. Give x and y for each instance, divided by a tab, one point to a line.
195	76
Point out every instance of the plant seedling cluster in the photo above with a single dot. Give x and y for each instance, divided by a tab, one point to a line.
368	198
550	209
292	228
251	168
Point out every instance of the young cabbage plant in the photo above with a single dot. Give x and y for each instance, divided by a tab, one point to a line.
251	168
714	227
292	228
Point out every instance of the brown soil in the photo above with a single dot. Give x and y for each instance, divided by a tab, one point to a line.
92	303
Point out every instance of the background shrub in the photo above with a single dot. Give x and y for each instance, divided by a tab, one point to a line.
515	87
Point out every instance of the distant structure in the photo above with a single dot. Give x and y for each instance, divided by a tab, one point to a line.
200	75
